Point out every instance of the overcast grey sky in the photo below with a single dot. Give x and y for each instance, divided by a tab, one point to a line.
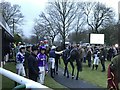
32	8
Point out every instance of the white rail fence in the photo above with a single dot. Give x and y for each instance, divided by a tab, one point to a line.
23	81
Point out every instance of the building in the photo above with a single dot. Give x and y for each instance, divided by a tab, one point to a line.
6	37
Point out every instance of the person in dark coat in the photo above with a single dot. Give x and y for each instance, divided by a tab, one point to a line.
27	54
89	53
33	64
102	59
65	55
110	54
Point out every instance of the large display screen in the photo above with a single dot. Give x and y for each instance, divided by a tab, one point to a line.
96	38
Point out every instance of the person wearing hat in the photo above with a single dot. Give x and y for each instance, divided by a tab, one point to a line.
52	56
20	60
33	70
42	62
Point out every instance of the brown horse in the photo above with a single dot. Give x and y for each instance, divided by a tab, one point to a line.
74	55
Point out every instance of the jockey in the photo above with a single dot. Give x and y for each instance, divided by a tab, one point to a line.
52	56
42	62
20	60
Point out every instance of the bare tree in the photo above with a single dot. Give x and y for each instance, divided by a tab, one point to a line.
45	27
38	31
63	13
97	15
50	27
79	23
12	14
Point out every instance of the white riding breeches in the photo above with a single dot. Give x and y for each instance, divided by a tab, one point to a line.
41	75
96	61
52	62
20	69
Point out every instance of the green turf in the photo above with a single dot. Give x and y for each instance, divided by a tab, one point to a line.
95	77
9	84
6	82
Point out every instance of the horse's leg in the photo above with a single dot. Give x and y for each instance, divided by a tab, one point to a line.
79	67
77	72
56	65
71	63
66	69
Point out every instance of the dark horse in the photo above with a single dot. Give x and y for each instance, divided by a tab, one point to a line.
71	56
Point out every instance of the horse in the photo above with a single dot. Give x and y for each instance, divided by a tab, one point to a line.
73	55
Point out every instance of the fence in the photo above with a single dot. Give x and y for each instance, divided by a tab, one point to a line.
23	81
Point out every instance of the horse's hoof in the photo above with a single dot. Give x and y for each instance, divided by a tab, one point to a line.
57	73
67	76
72	77
52	76
76	78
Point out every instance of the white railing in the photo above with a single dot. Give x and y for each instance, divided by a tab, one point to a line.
23	81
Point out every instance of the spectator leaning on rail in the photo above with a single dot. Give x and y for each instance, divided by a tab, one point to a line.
52	56
20	60
33	64
42	62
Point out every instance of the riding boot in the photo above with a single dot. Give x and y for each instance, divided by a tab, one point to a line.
54	71
96	67
51	70
93	67
89	65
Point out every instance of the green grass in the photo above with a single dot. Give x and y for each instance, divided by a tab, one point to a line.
6	82
95	77
9	84
92	76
